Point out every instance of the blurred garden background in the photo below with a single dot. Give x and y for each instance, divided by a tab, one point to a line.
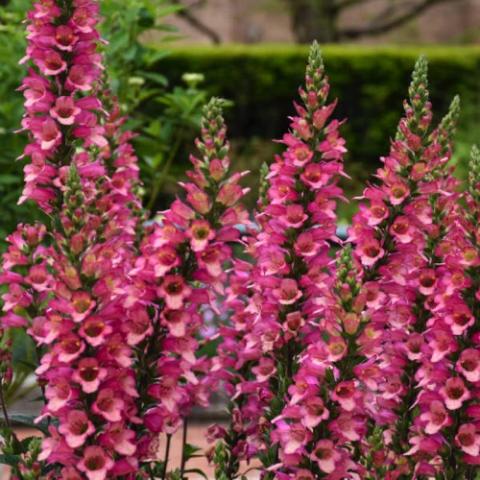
166	57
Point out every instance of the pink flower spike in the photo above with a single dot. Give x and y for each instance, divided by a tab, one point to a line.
82	304
377	212
69	348
344	394
95	463
460	319
200	233
314	412
165	259
314	176
79	78
294	216
370	251
65	38
94	331
292	437
120	439
75	428
398	192
58	394
176	321
264	370
436	418
442	343
402	230
51	63
427	281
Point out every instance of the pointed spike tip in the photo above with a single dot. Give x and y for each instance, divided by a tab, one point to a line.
420	70
315	59
73	175
474	170
419	83
451	117
449	122
215	106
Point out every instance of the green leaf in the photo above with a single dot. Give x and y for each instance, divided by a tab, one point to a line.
28	421
9	459
155	77
169	10
189	451
198	472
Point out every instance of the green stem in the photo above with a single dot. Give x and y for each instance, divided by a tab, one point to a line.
167	455
184	444
161	179
4	406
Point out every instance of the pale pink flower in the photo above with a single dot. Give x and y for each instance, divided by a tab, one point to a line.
108	405
287	293
174	291
468	439
454	393
95	463
435	418
75	428
325	455
469	364
89	374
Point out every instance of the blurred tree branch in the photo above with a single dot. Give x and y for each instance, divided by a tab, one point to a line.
391	21
187	14
319	19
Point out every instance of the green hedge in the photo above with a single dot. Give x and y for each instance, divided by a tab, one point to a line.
370	83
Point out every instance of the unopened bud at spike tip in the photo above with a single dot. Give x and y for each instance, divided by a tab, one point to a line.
448	124
474	172
419	83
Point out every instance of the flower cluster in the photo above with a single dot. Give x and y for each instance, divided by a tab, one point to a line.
279	313
396	235
444	431
350	361
64	281
61	107
181	270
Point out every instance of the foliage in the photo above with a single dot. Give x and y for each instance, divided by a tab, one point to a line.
12	46
260	79
130	69
130	64
177	117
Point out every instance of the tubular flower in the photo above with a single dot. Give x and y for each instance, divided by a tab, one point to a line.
64	281
327	400
395	238
297	227
62	112
448	374
181	272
